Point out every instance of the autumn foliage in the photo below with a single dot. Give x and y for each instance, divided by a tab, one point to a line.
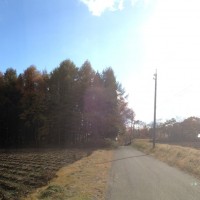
67	106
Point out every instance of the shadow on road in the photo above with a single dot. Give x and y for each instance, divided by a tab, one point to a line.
124	158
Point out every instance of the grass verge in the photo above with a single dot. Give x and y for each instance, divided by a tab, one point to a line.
185	158
85	179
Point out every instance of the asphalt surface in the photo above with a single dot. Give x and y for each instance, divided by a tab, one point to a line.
136	176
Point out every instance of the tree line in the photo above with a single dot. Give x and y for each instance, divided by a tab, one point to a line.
184	131
171	131
69	105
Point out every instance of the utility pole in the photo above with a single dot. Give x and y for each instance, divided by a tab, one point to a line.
154	122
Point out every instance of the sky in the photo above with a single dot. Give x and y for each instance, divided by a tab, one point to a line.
134	37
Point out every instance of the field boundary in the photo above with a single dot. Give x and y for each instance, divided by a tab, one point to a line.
85	179
23	171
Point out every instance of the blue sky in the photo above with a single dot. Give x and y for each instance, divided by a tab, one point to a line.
134	37
44	33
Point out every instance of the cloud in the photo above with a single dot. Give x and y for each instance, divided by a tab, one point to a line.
133	2
121	5
97	7
145	2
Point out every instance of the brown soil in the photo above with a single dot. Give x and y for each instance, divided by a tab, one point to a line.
85	179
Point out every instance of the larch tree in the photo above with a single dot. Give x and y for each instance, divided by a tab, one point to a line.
32	105
70	105
10	97
64	103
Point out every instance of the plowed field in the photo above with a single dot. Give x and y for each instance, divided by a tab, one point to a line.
23	171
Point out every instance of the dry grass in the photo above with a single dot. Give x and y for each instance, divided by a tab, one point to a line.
24	170
85	179
185	158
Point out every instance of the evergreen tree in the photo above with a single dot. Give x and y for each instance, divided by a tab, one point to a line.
68	106
10	97
32	105
86	77
64	103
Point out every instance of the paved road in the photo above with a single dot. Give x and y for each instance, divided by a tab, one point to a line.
135	176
